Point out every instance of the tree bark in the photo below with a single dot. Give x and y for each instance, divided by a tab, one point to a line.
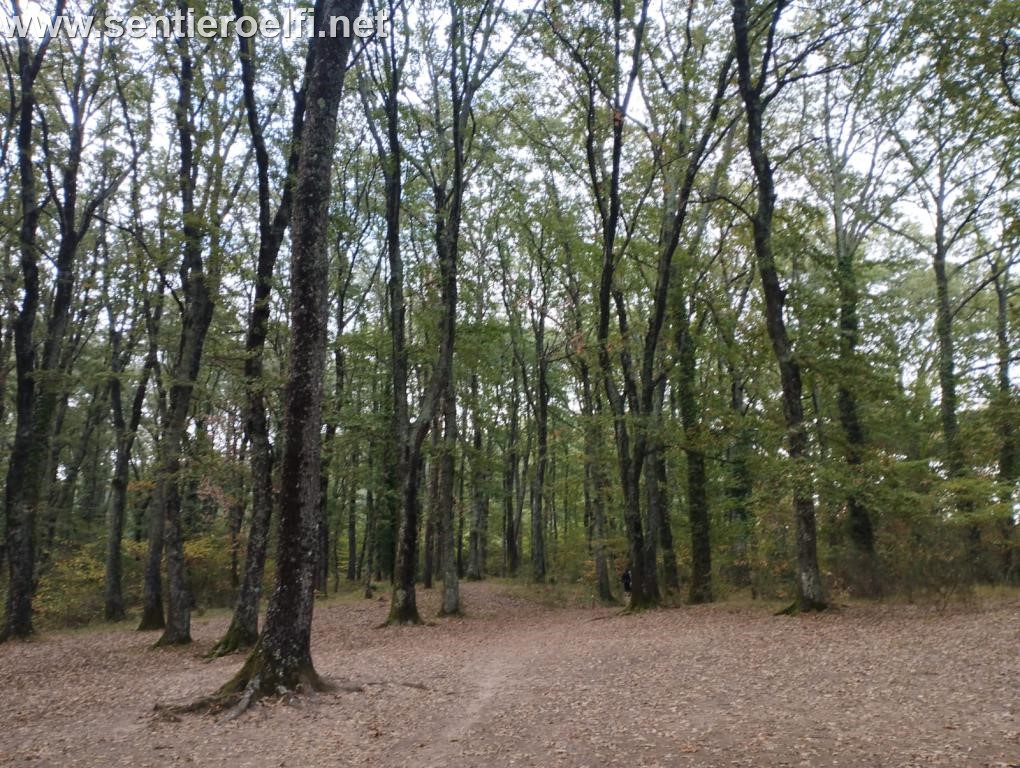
596	475
697	497
197	316
243	630
352	528
810	594
125	430
541	405
431	533
480	502
282	657
511	554
451	580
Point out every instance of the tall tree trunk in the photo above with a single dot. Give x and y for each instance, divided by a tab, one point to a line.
243	630
431	521
352	525
197	316
596	475
404	449
451	581
62	492
152	580
365	563
1009	460
946	348
861	531
810	594
479	507
448	196
697	497
606	188
542	459
739	484
282	657
26	467
511	555
125	430
671	575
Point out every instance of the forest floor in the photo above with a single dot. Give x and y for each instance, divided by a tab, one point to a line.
518	682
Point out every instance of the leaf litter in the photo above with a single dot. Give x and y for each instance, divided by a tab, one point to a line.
519	683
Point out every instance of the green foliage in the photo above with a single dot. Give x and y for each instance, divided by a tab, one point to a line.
70	593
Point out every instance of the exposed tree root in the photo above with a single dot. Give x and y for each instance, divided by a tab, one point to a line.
237	638
170	641
634	607
403	613
261	677
803	606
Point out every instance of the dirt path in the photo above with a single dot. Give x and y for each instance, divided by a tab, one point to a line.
515	684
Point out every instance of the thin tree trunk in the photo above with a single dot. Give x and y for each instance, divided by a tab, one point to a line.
697	497
431	533
365	563
125	436
479	479
599	483
542	459
946	349
1009	460
810	594
352	526
671	575
511	554
1009	465
451	581
197	316
23	487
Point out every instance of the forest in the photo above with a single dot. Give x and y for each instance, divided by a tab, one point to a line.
723	295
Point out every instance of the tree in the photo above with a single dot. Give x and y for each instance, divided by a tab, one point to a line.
282	660
38	385
752	85
243	629
469	62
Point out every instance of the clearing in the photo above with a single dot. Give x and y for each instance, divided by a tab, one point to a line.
516	683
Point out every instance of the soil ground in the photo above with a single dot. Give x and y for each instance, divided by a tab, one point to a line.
519	683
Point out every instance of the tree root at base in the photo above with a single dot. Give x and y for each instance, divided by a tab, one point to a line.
798	607
261	677
236	639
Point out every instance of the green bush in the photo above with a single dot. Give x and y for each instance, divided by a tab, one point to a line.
71	590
